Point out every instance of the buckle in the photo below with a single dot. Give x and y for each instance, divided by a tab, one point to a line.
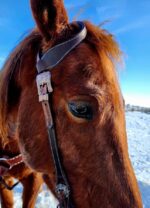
44	86
62	190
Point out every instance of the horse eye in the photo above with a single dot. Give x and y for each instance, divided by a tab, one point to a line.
81	110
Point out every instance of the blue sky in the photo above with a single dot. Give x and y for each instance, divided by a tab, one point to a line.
129	21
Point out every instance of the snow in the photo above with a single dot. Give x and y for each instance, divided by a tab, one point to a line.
44	200
138	131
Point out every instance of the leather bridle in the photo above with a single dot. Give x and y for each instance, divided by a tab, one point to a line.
44	65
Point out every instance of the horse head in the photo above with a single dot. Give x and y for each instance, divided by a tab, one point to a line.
87	109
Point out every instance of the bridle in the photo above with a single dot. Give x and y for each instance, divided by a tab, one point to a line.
44	65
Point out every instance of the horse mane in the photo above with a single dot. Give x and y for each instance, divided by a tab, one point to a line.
104	41
10	76
99	39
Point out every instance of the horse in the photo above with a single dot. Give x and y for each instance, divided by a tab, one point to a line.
76	135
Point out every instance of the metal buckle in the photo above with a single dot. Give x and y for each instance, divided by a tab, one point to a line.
44	86
62	190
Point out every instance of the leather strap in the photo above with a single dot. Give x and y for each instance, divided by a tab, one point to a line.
62	184
7	164
56	54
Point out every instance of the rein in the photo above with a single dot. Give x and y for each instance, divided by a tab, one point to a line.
48	61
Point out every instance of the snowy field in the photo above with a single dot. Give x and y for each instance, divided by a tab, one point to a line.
138	130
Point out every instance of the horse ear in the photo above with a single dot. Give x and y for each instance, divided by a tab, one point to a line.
50	16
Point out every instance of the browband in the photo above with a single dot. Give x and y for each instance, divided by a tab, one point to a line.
56	54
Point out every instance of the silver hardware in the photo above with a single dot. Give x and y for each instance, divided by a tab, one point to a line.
44	86
62	189
3	159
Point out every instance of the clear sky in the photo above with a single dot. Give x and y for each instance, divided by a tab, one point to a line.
128	20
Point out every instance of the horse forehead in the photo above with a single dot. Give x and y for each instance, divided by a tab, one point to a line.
84	53
82	63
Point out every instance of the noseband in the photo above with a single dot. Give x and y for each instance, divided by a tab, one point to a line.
44	65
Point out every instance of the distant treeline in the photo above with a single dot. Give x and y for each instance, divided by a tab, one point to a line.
129	107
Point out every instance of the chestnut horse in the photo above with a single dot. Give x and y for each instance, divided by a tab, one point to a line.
87	109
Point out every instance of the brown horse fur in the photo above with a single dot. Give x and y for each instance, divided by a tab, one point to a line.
94	153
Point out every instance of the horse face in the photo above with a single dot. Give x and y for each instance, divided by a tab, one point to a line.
88	113
78	103
90	126
87	109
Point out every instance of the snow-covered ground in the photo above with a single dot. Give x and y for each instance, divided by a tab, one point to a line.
138	130
45	199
